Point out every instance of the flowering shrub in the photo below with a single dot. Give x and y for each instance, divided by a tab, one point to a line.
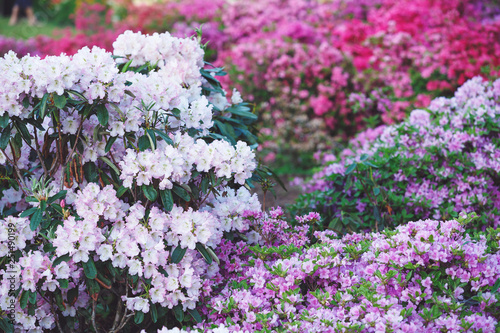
318	70
322	69
440	161
425	276
120	174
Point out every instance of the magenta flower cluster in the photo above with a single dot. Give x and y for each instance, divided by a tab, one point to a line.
321	69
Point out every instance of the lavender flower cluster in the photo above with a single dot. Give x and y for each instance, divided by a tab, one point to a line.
437	163
425	276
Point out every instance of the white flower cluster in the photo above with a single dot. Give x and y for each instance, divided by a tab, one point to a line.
229	208
37	272
185	228
176	83
14	232
162	49
93	72
131	241
89	72
170	164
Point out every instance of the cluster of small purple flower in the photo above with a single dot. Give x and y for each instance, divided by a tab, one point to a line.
437	163
424	276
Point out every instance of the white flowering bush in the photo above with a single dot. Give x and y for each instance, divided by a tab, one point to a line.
120	175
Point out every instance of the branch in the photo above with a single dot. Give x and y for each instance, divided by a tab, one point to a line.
93	316
45	171
76	141
117	316
19	178
59	150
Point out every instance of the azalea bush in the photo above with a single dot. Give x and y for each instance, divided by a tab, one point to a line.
318	70
437	163
424	276
119	179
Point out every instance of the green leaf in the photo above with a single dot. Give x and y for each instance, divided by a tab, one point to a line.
179	314
128	92
32	297
59	300
121	191
350	168
5	137
143	143
178	254
109	144
376	213
91	173
36	219
43	105
23	301
164	136
6	325
88	110
195	314
213	255
97	136
49	248
63	283
126	66
496	286
167	199
176	112
77	94
108	162
204	185
89	269
92	286
4	120
242	111
203	251
182	193
59	260
102	114
28	212
23	130
138	317
149	192
227	131
59	101
370	164
334	224
152	138
154	312
72	295
59	195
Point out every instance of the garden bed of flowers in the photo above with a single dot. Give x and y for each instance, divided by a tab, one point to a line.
125	207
